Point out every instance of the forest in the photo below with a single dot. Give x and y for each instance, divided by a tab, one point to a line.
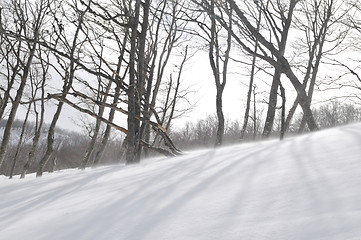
124	66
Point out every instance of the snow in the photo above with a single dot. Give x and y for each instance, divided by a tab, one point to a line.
306	187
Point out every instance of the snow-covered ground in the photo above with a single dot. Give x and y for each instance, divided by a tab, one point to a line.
306	187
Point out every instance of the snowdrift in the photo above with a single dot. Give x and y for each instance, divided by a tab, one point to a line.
306	187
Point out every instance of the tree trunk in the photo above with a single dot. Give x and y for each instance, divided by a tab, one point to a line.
175	96
214	58
319	40
272	104
105	138
282	64
20	143
91	145
38	123
104	142
68	81
15	70
283	112
303	98
145	128
133	123
220	117
94	138
249	94
16	103
50	141
254	114
142	71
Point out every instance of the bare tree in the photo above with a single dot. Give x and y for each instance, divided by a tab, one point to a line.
168	111
20	143
135	97
132	155
166	35
31	29
39	114
250	86
218	62
277	58
68	81
283	112
281	32
101	97
10	54
317	25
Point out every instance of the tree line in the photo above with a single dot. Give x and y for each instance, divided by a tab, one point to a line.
203	133
126	60
69	149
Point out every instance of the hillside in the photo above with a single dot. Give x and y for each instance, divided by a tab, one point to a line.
306	187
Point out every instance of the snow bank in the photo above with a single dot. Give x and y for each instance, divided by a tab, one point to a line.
302	188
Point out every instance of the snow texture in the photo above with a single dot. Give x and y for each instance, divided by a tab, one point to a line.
306	188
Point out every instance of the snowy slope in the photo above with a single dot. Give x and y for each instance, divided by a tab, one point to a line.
302	188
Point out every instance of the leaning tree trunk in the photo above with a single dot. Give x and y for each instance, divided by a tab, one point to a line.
310	94
94	138
38	124
50	141
106	135
35	144
272	104
303	98
104	142
282	64
20	143
68	81
313	78
176	90
145	128
311	67
15	70
16	103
